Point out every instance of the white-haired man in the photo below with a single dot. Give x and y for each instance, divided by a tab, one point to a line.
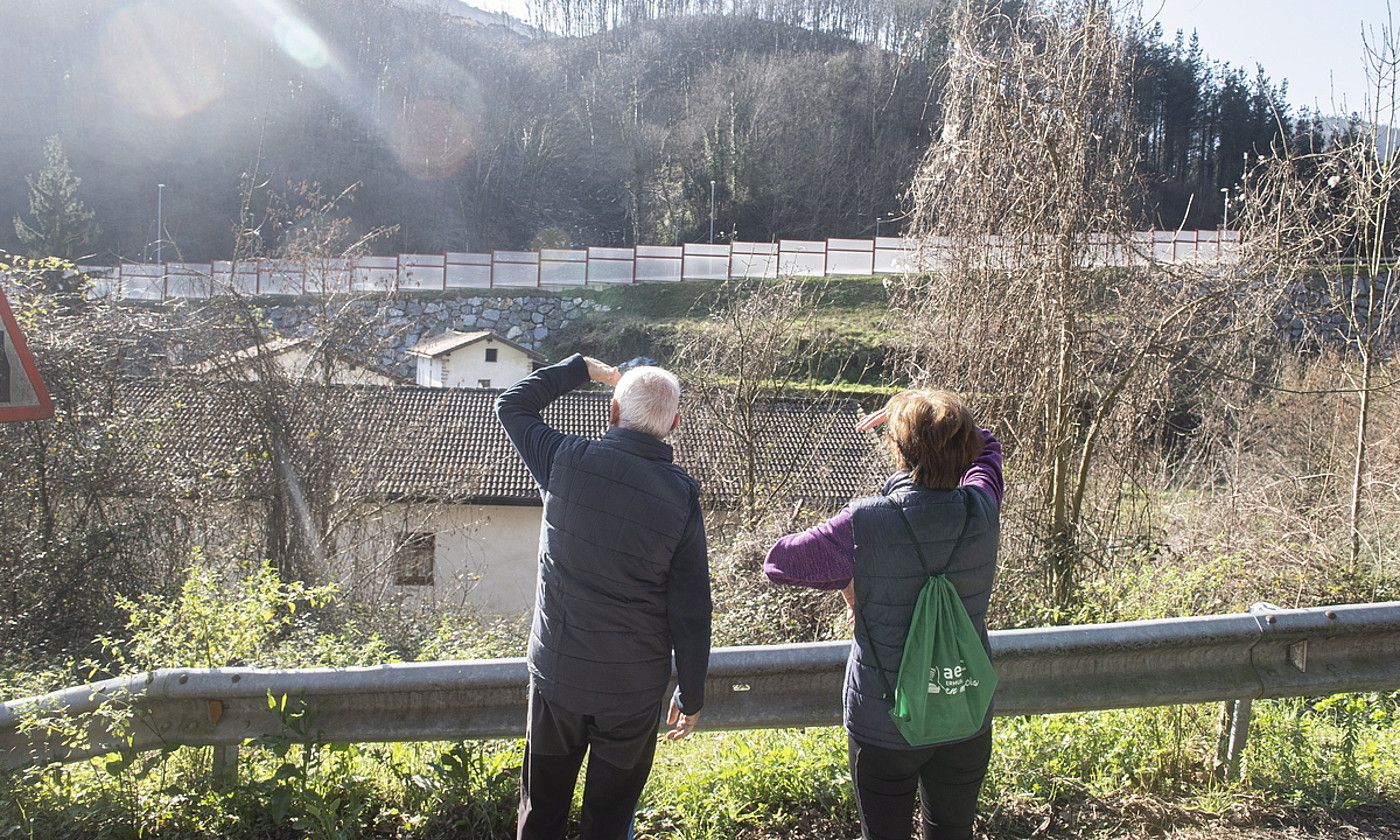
623	582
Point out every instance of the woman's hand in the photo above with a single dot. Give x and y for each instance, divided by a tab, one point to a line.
602	372
872	420
849	593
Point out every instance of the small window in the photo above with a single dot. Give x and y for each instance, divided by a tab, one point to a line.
483	383
490	354
415	559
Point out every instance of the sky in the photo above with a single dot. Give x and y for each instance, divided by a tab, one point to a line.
1314	44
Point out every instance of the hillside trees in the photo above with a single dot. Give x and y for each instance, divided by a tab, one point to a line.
809	117
1199	123
895	25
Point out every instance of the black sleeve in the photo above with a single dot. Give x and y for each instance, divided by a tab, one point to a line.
520	407
688	607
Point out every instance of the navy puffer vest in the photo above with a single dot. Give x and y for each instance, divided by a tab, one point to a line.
615	512
889	577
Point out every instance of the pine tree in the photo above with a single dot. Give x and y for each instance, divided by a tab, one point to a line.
59	224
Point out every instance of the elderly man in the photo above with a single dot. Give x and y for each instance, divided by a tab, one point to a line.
623	581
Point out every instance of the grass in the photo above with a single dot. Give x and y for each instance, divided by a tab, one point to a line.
1120	773
1148	767
676	301
645	321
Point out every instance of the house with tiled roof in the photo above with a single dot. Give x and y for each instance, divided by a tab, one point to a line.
479	359
297	359
439	481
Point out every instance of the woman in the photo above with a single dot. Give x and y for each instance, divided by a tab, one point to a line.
949	485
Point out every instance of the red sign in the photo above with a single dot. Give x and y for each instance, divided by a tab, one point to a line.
22	393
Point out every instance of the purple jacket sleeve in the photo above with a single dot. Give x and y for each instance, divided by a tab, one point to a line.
824	556
985	472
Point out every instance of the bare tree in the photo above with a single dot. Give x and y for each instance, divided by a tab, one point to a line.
325	434
1325	221
759	342
1036	300
749	366
78	522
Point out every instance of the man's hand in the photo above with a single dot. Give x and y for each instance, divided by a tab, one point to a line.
602	372
681	724
870	421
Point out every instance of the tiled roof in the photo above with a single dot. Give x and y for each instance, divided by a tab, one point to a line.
271	347
277	346
454	340
446	444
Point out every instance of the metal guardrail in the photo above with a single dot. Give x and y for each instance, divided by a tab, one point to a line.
1263	654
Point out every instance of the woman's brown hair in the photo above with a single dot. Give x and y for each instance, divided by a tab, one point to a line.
933	436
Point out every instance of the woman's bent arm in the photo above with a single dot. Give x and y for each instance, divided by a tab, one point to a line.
821	557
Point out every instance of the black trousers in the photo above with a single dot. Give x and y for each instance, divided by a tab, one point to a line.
620	750
948	778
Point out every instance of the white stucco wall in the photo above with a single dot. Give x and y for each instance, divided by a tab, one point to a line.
466	367
486	556
429	372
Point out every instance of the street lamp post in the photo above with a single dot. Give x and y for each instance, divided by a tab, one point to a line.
885	219
712	211
160	221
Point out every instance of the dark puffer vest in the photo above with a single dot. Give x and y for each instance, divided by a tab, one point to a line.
889	577
614	514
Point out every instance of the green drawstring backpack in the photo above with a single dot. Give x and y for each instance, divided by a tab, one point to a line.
946	680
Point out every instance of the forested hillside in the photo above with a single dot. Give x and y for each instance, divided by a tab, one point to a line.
467	136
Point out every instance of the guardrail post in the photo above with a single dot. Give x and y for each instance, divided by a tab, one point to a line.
226	766
1234	736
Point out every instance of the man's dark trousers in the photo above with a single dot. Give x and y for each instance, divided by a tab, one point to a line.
620	747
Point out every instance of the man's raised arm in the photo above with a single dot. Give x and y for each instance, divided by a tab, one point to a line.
520	408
